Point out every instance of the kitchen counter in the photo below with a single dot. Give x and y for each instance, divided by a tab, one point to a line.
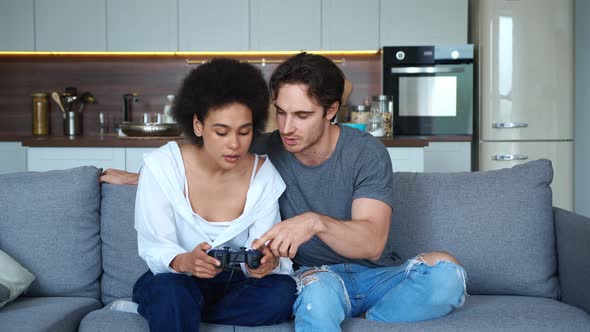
114	141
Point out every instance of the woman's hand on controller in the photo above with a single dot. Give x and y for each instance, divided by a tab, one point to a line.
197	262
268	262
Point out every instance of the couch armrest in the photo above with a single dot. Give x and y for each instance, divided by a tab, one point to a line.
572	233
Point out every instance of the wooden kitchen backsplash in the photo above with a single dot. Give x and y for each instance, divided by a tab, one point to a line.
108	78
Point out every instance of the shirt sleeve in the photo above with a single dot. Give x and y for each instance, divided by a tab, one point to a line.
155	225
374	174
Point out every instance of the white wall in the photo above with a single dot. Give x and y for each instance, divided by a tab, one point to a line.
582	124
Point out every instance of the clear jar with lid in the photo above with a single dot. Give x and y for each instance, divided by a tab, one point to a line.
359	114
383	105
40	114
375	125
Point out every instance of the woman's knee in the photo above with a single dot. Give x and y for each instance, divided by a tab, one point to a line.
168	288
282	291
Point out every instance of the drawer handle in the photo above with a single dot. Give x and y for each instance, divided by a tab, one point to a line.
507	125
509	157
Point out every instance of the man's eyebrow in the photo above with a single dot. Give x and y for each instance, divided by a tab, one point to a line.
299	111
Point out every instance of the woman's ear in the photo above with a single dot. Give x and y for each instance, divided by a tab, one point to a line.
197	126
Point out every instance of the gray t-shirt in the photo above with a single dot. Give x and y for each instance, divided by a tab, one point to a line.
359	167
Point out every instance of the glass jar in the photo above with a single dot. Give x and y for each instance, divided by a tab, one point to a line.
375	125
359	114
383	105
40	114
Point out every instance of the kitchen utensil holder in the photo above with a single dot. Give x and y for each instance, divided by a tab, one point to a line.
72	123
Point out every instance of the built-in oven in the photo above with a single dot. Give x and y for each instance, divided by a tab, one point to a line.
432	89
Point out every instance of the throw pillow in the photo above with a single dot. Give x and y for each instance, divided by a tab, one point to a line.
14	279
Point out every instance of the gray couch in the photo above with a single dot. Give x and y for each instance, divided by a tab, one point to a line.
527	263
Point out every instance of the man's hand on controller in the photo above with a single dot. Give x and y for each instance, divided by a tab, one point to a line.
268	262
197	262
286	236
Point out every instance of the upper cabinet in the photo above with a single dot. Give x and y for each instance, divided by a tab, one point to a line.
423	22
282	25
70	25
213	25
350	25
17	25
142	25
228	25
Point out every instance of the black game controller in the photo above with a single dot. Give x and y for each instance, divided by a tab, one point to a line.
230	258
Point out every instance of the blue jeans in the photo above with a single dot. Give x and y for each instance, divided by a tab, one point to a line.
178	302
410	292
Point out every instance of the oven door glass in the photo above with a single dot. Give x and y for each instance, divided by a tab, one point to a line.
434	100
428	96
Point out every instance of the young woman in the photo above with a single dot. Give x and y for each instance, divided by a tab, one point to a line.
210	194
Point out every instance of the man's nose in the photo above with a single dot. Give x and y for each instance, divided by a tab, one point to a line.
288	125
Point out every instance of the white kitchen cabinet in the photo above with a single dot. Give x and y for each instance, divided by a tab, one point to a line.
213	25
282	25
70	25
45	159
446	157
142	25
134	158
13	157
350	25
17	24
423	22
407	159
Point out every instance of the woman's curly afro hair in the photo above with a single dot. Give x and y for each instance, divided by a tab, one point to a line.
218	83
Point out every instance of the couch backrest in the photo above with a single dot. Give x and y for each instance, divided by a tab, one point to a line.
120	260
499	224
49	223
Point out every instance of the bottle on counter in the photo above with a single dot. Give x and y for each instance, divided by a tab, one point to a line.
40	114
167	117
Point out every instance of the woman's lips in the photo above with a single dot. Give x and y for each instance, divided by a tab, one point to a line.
231	158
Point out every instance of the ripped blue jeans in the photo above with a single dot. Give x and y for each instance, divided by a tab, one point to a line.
410	292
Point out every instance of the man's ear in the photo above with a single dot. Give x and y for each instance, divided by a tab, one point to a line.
332	110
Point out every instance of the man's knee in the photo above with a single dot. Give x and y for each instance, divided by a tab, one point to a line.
321	292
434	257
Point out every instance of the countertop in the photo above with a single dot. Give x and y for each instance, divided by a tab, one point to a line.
114	141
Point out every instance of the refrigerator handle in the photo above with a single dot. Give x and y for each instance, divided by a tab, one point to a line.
509	157
504	125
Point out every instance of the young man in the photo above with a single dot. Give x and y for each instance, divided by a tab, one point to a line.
336	212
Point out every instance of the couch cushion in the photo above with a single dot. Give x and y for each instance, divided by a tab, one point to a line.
107	320
480	313
49	224
46	313
120	261
499	225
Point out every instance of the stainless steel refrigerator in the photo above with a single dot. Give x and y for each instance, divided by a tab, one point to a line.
525	87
